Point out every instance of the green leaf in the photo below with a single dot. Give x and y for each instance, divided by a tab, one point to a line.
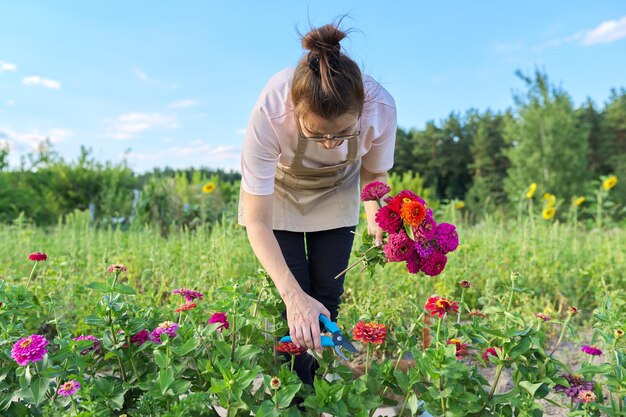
413	404
99	286
96	321
160	358
166	377
124	289
520	348
530	387
179	387
39	387
186	347
286	394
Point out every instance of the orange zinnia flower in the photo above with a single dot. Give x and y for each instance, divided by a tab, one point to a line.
440	306
413	212
370	332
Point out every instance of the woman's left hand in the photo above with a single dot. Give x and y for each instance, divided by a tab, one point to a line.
374	229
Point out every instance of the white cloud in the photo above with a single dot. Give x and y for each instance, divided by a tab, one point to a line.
196	154
44	82
606	32
184	104
7	66
129	125
143	76
29	141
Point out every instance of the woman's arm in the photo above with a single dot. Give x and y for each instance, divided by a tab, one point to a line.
371	207
302	310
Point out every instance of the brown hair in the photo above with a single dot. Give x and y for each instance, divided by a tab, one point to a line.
326	82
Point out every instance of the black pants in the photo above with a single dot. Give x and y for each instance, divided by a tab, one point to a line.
314	258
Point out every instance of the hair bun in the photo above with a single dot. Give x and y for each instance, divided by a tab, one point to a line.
324	39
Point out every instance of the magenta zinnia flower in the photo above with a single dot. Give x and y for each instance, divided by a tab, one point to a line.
577	384
591	350
168	327
427	228
68	388
95	347
424	247
29	349
398	247
388	219
542	316
140	338
37	256
374	191
433	264
413	263
189	295
446	237
220	318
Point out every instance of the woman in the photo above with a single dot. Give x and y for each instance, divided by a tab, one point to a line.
315	133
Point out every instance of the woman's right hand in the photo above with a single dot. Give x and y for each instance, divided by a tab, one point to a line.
303	313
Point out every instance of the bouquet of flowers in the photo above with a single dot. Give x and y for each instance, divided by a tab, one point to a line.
411	233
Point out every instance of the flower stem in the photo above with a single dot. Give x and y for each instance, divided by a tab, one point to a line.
458	317
495	382
562	334
32	271
74	405
441	387
355	263
438	328
367	358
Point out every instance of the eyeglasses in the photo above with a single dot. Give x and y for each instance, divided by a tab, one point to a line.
334	138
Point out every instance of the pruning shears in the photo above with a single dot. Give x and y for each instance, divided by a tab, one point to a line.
337	341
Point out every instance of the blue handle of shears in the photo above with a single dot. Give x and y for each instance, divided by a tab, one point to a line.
326	341
330	326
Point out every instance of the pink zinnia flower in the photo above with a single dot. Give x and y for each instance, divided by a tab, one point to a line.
388	219
95	347
168	327
446	237
374	191
434	264
37	256
542	316
371	332
68	388
189	295
398	247
118	268
587	396
427	228
140	338
220	318
29	349
591	350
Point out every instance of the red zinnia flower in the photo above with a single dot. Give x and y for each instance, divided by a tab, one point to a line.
370	332
118	268
413	212
291	348
490	351
37	256
440	306
186	307
461	348
465	284
374	191
572	311
477	313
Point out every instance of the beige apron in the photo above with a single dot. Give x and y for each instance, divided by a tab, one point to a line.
314	199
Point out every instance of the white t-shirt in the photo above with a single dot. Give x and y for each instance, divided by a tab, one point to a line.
272	135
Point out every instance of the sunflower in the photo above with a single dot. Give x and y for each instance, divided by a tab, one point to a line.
550	199
609	182
531	190
548	213
579	201
208	188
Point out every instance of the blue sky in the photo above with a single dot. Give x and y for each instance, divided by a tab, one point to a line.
173	84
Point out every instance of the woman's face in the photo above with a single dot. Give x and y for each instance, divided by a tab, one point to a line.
328	133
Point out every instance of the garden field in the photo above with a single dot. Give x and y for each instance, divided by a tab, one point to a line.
487	353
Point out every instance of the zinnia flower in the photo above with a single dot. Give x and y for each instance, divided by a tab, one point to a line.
95	347
490	352
591	350
427	228
208	188
465	284
68	388
447	238
290	347
619	333
572	311
370	332
579	201
462	349
186	307
550	199
275	383
548	213
424	247
37	256
542	316
609	182
29	349
398	247
576	384
440	306
374	191
531	190
413	212
477	313
220	318
388	219
140	338
117	268
587	396
402	197
433	264
168	327
413	263
189	295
